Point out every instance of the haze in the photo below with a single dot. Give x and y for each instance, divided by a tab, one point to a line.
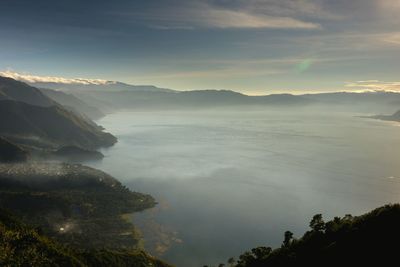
230	179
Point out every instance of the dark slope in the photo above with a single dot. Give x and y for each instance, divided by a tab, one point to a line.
367	240
73	103
11	89
53	124
35	121
76	154
10	152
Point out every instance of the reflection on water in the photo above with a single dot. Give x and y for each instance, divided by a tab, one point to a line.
231	180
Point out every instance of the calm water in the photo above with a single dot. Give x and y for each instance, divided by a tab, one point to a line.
227	181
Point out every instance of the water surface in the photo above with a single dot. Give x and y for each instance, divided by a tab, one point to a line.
227	181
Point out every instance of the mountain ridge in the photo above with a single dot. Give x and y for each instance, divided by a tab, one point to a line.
22	119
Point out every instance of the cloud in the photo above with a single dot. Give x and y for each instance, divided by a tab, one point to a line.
392	38
51	79
293	8
375	85
200	14
220	18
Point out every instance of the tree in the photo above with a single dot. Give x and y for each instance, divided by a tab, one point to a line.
231	261
288	239
317	224
261	252
246	259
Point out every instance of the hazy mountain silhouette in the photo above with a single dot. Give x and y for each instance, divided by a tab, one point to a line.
109	86
110	101
73	103
111	96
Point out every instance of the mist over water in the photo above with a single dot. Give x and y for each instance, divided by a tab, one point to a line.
230	180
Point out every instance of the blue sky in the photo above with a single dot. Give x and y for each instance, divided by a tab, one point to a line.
252	46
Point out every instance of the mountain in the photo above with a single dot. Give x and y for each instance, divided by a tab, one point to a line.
51	126
10	152
112	101
367	240
33	120
105	86
11	89
73	103
109	96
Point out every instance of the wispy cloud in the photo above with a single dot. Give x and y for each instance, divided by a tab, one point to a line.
393	38
220	18
50	79
375	85
202	14
292	8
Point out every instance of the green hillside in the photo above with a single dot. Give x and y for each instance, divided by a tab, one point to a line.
21	245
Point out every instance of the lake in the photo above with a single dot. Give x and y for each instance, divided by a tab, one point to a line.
230	180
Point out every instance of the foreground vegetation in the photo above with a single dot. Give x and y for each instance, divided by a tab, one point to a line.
21	245
74	204
68	215
368	240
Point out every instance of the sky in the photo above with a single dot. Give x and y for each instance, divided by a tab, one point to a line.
252	46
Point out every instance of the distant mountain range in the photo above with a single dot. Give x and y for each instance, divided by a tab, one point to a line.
111	101
109	86
112	96
31	112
